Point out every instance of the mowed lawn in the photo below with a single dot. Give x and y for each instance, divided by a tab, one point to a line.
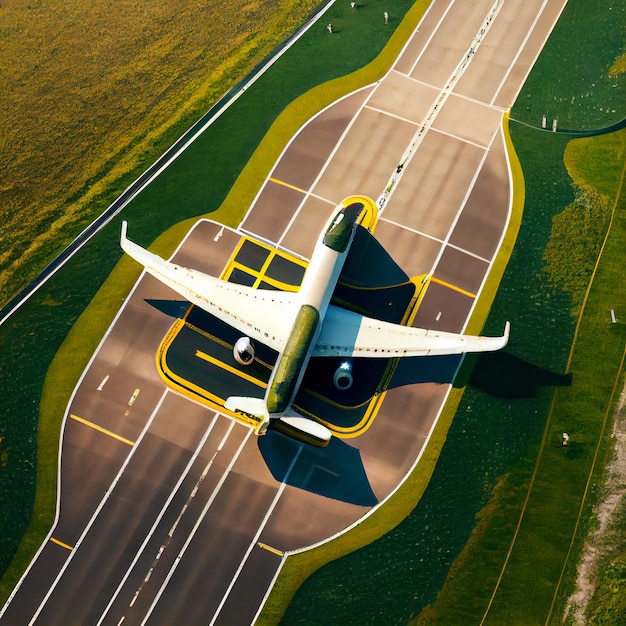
92	91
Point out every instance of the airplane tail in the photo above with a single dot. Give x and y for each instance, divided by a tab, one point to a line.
295	426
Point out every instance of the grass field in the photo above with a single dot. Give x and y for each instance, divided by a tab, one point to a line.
91	92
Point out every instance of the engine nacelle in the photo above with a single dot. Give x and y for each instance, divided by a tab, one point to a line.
343	376
243	351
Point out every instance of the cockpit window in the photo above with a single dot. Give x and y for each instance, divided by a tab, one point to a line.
339	232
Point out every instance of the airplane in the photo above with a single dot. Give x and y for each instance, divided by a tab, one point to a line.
303	324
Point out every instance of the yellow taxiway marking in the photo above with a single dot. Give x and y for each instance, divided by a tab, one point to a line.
60	543
229	368
102	430
270	549
284	184
453	287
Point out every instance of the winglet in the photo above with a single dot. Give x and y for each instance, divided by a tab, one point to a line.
507	330
152	262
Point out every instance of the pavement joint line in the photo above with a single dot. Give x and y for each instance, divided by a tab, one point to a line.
60	543
102	430
482	103
462	139
369	107
468	252
385	219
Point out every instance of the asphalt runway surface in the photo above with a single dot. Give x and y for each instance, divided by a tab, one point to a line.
168	512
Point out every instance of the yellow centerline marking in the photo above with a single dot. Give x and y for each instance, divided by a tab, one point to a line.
270	549
102	430
284	184
453	287
60	543
229	368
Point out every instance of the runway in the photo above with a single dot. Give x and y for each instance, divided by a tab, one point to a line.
168	512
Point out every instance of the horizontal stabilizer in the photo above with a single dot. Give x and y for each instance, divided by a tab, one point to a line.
302	429
250	406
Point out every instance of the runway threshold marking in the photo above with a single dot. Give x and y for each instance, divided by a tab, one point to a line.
469	294
60	543
102	430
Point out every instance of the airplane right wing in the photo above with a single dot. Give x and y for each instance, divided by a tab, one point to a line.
262	314
348	334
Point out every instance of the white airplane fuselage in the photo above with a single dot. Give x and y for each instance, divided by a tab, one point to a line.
304	324
316	291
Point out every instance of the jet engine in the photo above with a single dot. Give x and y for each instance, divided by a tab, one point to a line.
343	376
243	351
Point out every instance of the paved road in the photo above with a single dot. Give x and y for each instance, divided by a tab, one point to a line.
164	504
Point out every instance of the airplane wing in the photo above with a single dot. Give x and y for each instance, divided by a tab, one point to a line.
261	314
348	334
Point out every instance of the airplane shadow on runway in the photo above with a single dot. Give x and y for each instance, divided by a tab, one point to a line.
335	471
172	308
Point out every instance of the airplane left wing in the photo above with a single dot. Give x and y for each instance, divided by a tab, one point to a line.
264	315
348	334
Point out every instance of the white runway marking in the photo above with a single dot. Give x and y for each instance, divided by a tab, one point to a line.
99	508
197	524
159	517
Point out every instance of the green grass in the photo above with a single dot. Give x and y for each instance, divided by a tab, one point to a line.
89	96
572	79
196	184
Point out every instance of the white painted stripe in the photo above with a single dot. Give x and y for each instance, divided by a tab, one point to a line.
196	526
513	63
254	541
160	516
104	500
